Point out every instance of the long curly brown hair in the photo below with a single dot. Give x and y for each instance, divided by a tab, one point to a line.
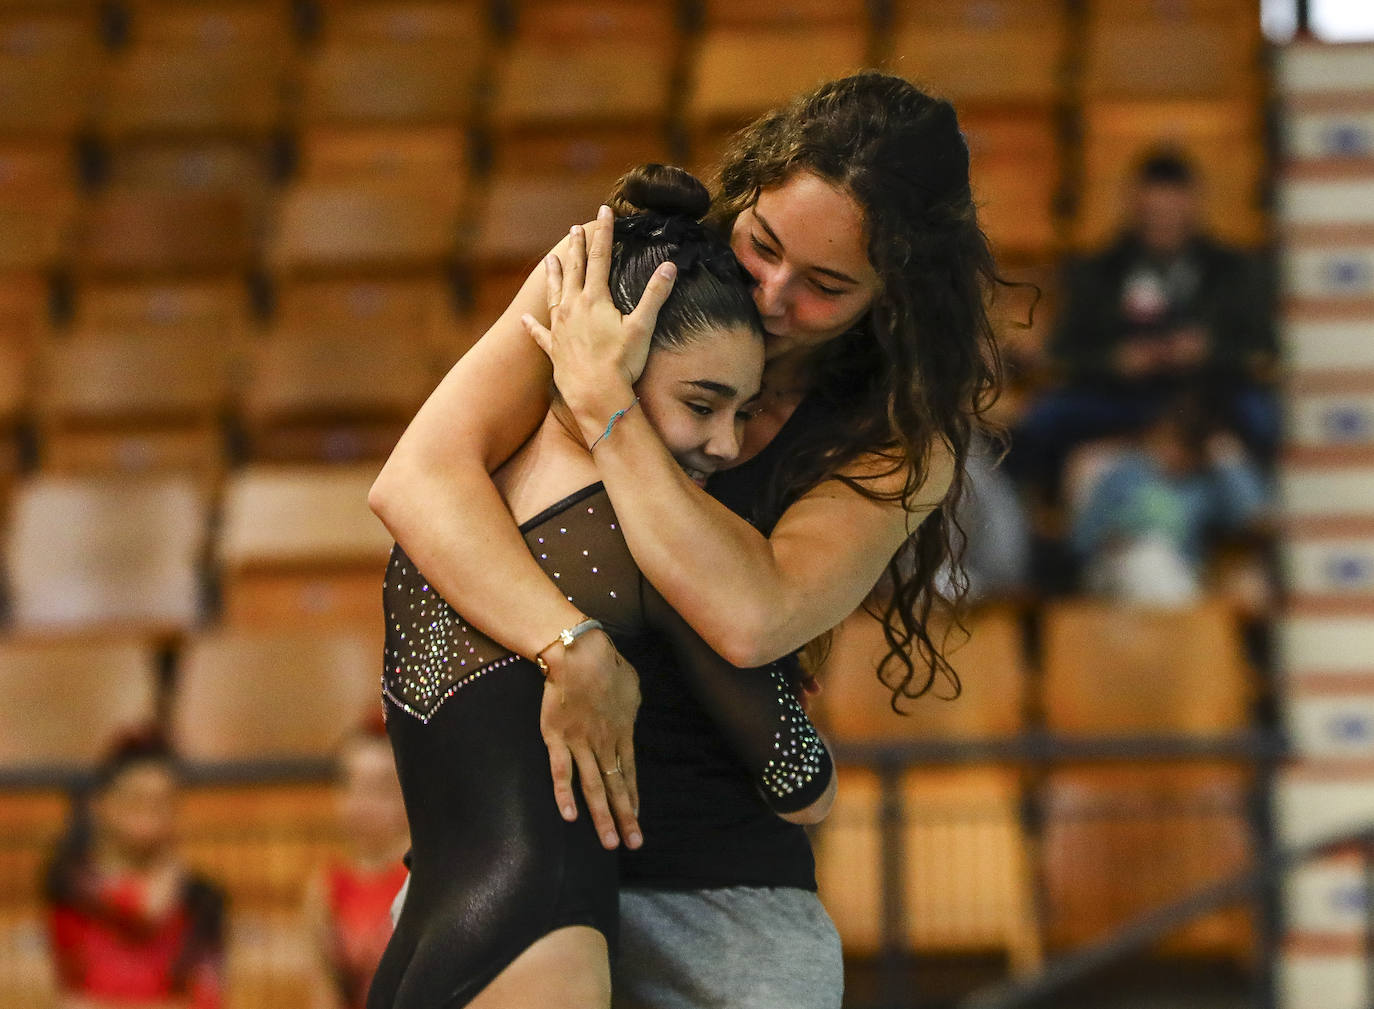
921	366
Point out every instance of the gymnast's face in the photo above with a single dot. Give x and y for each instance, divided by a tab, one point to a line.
697	396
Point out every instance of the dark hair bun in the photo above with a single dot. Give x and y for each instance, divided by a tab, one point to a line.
661	189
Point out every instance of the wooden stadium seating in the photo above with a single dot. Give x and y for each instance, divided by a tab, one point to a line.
298	545
260	841
738	73
96	552
25	315
991	663
333	398
1169	51
1015	171
211	25
1114	670
30	164
270	960
142	233
31	819
343	228
48	60
215	165
245	696
966	884
521	217
118	403
391	309
449	24
574	23
436	155
371	83
1223	137
1122	841
984	54
67	698
602	105
215	308
791	14
179	91
35	227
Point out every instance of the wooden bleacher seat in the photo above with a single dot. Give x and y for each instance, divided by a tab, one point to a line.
1116	670
738	73
243	167
397	309
991	663
460	24
48	60
97	552
35	226
434	155
259	841
984	54
31	819
216	308
25	308
144	233
210	25
337	228
602	105
521	217
1015	171
27	977
1121	841
965	861
33	164
270	960
592	21
331	397
183	91
1223	137
790	14
115	403
361	83
251	696
298	545
1171	51
67	698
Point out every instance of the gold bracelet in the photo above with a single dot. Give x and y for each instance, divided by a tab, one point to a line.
565	638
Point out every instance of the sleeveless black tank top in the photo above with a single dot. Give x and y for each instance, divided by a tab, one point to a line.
705	824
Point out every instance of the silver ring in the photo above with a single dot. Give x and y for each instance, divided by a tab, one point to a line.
616	770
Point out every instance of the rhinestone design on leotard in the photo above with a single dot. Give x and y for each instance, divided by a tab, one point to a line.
431	652
799	754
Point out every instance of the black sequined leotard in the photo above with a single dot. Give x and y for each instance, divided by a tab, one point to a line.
494	867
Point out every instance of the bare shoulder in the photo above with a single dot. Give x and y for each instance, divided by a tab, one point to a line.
885	476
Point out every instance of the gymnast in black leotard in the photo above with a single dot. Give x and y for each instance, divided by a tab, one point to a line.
495	869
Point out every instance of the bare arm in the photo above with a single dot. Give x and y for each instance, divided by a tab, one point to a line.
436	496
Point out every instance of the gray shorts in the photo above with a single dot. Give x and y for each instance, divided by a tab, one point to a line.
734	948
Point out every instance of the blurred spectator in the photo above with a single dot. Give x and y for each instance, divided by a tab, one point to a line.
994	527
348	902
1165	308
1145	527
131	926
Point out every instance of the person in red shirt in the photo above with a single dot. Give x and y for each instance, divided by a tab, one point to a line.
130	925
348	902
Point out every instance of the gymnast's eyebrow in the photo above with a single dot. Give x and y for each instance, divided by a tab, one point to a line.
719	388
846	278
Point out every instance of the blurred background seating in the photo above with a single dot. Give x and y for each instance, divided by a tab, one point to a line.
240	240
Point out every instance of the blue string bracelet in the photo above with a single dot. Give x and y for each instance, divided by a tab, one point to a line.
611	423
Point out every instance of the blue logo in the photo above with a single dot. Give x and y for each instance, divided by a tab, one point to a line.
1348	728
1346	423
1347	274
1349	569
1347	139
